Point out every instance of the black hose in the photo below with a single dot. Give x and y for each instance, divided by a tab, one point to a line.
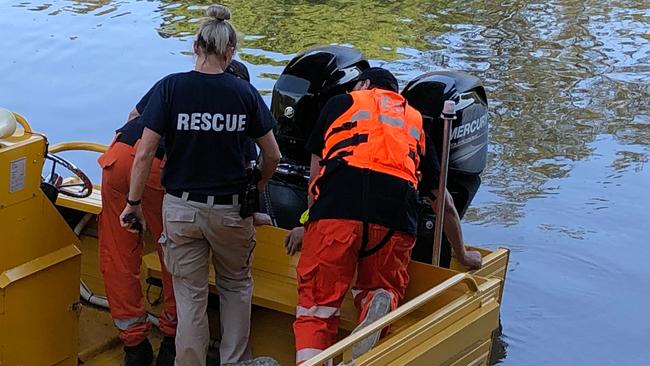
269	206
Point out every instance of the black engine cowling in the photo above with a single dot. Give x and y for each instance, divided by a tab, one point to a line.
469	137
304	86
468	145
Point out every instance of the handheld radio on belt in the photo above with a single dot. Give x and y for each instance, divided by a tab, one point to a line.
250	197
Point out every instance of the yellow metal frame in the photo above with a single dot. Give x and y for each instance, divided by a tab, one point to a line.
39	262
344	347
39	310
26	153
78	145
23	122
495	265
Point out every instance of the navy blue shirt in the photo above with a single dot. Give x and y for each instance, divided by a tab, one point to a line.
132	130
207	121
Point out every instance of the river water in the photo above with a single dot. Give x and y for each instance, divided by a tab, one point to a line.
566	187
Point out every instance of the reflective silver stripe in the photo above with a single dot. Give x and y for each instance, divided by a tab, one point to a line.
384	101
414	132
305	354
318	311
124	324
396	122
369	295
360	115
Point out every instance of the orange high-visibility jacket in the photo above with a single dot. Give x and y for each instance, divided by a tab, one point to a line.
380	132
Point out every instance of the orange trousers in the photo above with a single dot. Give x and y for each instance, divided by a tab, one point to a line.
120	253
328	261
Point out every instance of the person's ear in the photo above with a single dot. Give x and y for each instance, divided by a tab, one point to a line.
230	52
195	47
366	84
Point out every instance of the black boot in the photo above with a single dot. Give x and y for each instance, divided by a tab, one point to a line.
211	360
166	352
139	355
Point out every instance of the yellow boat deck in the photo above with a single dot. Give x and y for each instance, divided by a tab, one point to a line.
100	346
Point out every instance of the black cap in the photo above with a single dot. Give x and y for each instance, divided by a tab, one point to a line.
239	70
380	78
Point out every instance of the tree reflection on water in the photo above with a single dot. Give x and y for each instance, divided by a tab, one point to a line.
558	74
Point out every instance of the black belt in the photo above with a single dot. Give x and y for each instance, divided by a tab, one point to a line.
229	199
123	138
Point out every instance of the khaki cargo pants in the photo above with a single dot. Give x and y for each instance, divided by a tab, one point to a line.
191	230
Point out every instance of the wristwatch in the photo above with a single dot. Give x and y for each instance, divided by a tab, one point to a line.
133	203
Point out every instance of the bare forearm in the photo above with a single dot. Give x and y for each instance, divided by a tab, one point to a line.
452	228
139	174
270	155
142	163
454	232
268	165
451	224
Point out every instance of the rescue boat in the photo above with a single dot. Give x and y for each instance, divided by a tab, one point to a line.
52	305
47	246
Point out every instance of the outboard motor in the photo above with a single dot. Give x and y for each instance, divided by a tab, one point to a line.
306	83
468	143
304	86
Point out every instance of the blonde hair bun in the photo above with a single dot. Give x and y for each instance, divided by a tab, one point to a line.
218	12
216	34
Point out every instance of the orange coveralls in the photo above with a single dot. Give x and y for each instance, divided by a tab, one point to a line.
328	261
381	133
120	253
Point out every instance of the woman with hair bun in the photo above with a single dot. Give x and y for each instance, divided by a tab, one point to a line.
206	117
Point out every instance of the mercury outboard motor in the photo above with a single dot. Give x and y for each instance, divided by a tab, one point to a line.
468	143
304	86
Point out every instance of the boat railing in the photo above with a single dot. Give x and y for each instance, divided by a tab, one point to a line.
345	346
78	145
23	122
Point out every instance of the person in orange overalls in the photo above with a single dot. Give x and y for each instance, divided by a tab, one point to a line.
120	251
366	147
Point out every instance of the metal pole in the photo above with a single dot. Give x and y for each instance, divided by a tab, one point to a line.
448	116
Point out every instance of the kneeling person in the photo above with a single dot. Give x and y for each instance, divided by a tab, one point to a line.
120	251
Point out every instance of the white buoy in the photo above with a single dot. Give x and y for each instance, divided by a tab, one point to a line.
7	123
